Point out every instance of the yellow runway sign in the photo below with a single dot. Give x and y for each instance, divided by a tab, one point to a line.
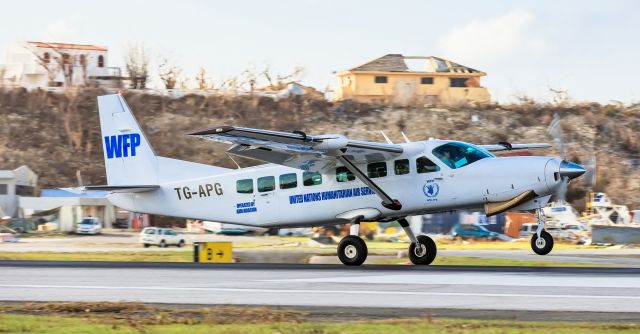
220	252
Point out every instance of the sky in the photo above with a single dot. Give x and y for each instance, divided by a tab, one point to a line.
588	48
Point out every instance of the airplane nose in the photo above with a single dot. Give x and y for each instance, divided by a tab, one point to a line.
571	170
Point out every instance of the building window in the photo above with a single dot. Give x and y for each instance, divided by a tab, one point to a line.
244	186
311	178
66	58
381	79
424	165
266	183
100	61
46	58
401	167
426	81
377	169
25	190
288	181
343	174
3	189
458	82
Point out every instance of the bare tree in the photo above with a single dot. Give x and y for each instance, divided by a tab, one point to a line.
137	65
49	62
249	78
294	76
202	80
267	74
168	72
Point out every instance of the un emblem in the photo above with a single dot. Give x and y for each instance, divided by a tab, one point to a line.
431	189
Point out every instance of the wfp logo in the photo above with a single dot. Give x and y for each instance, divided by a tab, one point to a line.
121	145
431	189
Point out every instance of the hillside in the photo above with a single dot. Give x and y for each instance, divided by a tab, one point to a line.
58	134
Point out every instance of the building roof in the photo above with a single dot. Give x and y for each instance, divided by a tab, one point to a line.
418	64
68	46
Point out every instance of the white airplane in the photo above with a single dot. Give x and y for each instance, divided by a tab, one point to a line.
325	179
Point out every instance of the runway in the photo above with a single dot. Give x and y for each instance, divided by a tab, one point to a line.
436	287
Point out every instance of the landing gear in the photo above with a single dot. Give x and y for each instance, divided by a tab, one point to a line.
543	244
425	252
423	249
352	250
541	241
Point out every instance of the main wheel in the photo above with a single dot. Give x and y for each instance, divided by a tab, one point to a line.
542	245
426	253
181	243
352	250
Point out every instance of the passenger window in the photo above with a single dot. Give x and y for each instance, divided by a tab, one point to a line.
266	183
401	167
424	165
288	181
311	178
377	169
244	186
343	174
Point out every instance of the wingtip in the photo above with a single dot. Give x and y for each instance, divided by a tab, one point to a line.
211	131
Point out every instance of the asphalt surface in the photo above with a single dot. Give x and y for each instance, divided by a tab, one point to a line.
613	291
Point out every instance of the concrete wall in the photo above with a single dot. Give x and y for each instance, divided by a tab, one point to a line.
602	234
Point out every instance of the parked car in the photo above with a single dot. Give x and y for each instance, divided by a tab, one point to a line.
469	231
161	237
89	225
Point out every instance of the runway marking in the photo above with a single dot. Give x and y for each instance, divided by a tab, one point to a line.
351	292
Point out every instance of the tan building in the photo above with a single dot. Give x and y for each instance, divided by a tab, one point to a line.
405	80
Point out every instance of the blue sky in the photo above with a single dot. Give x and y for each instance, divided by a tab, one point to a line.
589	48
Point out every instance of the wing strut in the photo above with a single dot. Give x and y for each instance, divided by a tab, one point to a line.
387	202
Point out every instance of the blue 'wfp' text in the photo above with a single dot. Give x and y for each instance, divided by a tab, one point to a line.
121	145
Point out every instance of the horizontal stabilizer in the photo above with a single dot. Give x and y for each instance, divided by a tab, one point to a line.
123	189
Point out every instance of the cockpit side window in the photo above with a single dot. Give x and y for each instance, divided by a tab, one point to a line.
424	165
457	155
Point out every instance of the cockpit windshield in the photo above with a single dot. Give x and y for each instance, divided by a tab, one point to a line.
457	155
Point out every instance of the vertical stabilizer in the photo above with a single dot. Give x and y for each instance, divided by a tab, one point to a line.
128	156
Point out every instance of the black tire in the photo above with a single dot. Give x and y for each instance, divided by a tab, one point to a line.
429	251
352	250
162	244
181	243
544	245
146	245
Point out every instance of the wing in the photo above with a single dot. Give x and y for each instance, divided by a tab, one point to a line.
505	146
297	149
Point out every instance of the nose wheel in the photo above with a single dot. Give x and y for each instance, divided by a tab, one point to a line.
424	252
543	244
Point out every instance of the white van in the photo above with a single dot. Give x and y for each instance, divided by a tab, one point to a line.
161	237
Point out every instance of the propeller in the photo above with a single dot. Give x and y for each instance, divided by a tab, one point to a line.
568	170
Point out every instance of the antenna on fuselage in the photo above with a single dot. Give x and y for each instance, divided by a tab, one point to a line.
386	138
406	139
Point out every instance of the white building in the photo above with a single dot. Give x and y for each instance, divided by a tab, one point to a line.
65	209
43	65
21	181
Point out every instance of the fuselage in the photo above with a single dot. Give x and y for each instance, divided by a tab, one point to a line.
275	195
